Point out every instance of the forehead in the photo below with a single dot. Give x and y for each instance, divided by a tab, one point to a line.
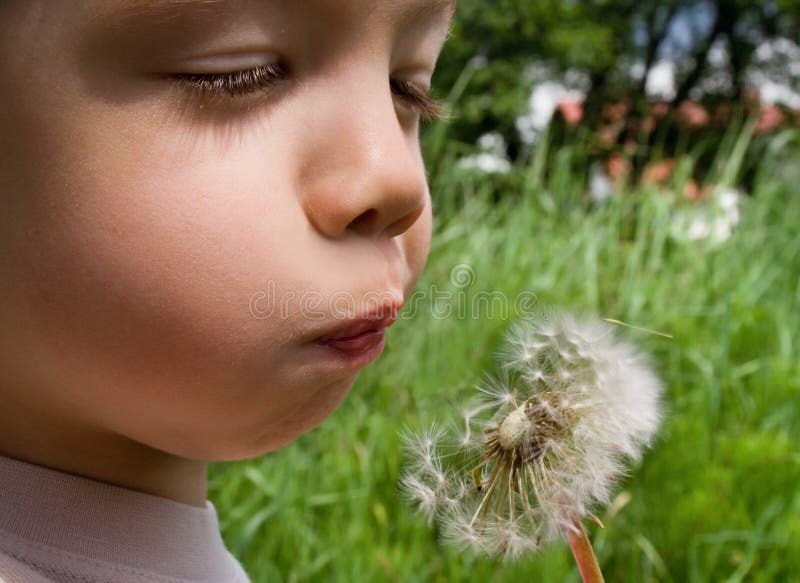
130	30
382	10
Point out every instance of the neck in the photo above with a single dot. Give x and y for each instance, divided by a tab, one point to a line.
68	446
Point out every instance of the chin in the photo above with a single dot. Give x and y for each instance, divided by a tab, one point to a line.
276	433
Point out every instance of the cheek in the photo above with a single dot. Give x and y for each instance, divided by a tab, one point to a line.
416	245
137	269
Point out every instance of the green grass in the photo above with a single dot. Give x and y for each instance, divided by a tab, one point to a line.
718	496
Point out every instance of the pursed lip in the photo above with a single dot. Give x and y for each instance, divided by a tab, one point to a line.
352	343
353	328
359	340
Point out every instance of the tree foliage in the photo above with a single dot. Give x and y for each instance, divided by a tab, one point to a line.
603	39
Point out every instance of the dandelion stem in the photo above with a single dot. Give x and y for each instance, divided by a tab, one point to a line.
584	554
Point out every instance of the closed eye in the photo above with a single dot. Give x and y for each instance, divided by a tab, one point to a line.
418	99
237	84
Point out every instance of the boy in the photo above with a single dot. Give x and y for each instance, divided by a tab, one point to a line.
211	212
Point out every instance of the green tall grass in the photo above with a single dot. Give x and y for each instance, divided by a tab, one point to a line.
718	496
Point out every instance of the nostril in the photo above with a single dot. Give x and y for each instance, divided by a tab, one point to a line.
404	223
369	222
365	222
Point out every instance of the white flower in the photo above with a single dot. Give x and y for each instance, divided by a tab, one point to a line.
485	163
544	442
493	143
542	105
601	187
491	158
660	82
713	221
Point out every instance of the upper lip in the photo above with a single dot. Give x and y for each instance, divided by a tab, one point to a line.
373	321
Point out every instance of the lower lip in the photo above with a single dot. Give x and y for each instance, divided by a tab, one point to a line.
357	350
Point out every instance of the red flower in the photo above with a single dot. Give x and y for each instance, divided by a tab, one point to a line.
770	118
658	172
571	111
692	115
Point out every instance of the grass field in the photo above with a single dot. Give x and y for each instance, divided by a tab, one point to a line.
718	496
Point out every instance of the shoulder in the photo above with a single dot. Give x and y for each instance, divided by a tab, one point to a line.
14	571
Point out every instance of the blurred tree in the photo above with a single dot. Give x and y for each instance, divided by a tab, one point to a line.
603	39
741	25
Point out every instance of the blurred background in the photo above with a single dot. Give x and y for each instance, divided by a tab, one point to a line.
636	160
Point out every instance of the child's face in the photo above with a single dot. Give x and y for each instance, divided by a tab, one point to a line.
148	229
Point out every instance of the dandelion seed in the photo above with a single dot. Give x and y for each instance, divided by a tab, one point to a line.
545	443
422	494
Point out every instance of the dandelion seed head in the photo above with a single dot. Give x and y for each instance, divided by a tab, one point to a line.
544	443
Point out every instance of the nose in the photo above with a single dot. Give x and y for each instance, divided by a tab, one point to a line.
364	172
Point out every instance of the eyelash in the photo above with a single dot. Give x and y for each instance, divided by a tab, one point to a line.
242	83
